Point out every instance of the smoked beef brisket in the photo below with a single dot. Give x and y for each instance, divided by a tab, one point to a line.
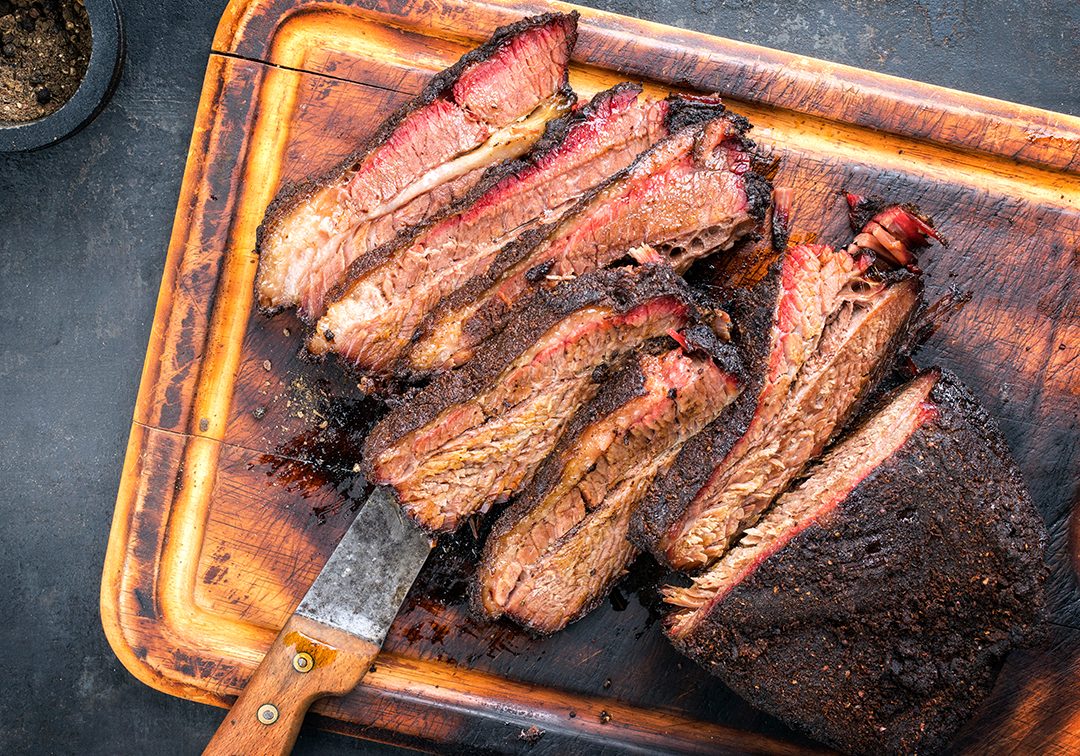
873	605
894	233
491	105
473	436
691	194
554	553
816	334
373	312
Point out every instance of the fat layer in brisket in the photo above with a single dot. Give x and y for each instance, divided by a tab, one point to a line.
556	551
691	194
473	436
491	105
873	605
375	310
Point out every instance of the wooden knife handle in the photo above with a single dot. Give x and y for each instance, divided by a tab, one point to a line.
309	660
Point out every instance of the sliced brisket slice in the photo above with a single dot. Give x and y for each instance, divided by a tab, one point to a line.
873	605
817	333
373	313
555	552
473	436
689	195
491	105
893	233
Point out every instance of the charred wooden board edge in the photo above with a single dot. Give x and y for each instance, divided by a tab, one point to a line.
954	119
224	332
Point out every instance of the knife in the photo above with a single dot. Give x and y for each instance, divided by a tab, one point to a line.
329	643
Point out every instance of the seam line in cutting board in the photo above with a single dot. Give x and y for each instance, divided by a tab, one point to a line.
235	445
293	69
999	180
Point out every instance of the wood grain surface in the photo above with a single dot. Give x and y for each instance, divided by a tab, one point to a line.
240	473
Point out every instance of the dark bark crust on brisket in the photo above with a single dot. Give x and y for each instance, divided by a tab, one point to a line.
619	289
684	112
625	383
752	315
753	309
881	627
291	194
555	132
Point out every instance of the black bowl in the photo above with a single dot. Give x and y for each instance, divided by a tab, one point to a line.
102	73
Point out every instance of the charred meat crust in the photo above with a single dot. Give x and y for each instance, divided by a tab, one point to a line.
627	382
684	111
292	194
751	310
621	386
700	337
892	647
619	289
554	133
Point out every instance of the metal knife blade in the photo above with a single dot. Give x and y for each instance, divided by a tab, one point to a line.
361	587
331	641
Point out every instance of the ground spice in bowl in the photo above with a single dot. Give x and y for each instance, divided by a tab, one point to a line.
44	52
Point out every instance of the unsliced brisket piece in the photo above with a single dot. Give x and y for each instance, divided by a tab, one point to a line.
817	333
491	105
553	555
473	436
372	314
691	194
873	605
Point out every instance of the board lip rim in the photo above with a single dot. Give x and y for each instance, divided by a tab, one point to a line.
231	38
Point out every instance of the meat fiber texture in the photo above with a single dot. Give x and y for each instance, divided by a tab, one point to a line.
491	105
879	621
374	311
816	334
473	436
689	195
554	553
894	233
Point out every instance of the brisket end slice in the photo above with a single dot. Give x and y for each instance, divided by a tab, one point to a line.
873	605
816	334
892	232
375	310
689	195
555	552
490	105
472	437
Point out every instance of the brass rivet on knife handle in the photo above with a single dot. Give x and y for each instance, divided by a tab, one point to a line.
336	661
303	662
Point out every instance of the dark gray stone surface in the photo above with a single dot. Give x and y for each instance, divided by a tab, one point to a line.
84	227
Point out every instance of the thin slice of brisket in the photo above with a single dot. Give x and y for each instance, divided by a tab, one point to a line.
817	332
873	605
691	194
491	105
893	233
473	436
374	311
553	555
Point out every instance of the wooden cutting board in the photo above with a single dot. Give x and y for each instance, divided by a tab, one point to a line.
240	477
